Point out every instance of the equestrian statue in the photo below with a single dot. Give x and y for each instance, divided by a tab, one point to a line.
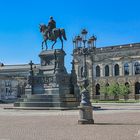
50	32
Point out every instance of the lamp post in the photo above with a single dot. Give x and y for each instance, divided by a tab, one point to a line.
86	115
92	41
31	77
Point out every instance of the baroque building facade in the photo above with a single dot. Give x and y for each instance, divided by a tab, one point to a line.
114	64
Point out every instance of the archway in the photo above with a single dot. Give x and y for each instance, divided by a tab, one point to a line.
137	88
97	89
127	84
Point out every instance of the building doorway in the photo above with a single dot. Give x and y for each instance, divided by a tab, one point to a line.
137	88
97	89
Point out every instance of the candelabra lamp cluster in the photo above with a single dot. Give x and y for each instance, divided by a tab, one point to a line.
85	108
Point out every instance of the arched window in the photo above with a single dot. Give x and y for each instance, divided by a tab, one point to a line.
126	69
137	68
137	88
106	70
127	84
97	89
81	72
116	70
107	84
97	71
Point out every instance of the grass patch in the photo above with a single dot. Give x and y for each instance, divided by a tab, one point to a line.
115	101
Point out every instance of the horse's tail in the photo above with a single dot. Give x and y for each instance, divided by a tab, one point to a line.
63	34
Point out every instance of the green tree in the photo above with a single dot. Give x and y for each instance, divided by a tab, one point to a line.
124	91
105	90
114	90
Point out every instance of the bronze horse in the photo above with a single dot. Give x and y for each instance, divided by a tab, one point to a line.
53	35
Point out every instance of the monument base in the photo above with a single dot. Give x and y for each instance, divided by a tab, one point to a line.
52	87
86	121
47	102
86	115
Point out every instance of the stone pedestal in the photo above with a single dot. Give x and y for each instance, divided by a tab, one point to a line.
86	115
85	108
53	86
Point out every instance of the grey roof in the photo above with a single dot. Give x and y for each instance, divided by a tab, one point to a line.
16	70
17	67
115	48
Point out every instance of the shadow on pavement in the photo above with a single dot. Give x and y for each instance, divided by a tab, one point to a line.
116	124
102	109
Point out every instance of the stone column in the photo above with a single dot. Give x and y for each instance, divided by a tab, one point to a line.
76	69
113	70
110	70
130	68
94	71
101	70
133	68
90	76
90	73
93	80
132	94
121	68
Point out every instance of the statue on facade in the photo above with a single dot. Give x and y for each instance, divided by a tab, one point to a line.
50	32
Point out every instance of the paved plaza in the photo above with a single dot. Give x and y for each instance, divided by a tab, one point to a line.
112	122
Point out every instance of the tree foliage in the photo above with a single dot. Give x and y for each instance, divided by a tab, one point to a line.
115	89
124	89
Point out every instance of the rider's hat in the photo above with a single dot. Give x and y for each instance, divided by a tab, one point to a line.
51	17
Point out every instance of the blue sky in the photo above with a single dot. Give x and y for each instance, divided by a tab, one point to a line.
113	21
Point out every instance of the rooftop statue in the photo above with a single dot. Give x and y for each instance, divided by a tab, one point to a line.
50	32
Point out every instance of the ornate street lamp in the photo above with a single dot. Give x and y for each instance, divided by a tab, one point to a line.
86	116
92	41
74	43
84	35
77	42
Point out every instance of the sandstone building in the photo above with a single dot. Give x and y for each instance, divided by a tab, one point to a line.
13	79
120	64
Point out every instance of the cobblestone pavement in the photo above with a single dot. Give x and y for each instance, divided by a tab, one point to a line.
112	122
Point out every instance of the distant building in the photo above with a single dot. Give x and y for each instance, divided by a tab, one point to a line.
13	79
120	64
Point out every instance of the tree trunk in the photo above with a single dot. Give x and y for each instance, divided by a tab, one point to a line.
116	97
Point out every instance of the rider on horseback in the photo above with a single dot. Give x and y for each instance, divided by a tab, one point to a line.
50	32
51	25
